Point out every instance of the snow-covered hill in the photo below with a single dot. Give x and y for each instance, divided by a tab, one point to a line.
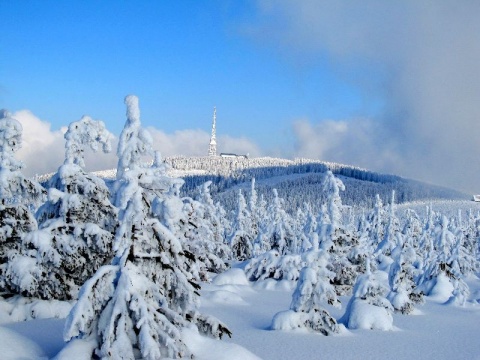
297	181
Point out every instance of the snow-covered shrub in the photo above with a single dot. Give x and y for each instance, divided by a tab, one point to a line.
272	265
312	293
369	308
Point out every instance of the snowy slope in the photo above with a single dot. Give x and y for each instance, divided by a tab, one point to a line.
438	331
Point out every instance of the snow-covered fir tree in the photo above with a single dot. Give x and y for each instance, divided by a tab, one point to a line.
202	234
76	224
392	231
335	237
369	307
136	307
15	188
280	231
313	292
18	195
241	238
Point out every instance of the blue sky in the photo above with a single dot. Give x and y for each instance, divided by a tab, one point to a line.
392	87
65	59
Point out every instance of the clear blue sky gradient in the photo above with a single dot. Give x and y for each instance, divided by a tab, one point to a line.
64	59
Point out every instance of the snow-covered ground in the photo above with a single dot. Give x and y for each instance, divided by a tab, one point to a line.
435	331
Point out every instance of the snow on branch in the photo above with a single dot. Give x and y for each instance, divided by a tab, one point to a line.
83	133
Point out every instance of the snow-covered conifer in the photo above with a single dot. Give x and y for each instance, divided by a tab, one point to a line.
280	231
335	237
369	308
312	294
136	307
76	225
134	142
392	231
376	220
241	237
15	188
18	197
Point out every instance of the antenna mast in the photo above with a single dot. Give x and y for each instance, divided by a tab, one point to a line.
212	148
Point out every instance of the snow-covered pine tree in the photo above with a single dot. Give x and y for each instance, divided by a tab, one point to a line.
76	224
312	293
15	188
437	271
309	235
202	233
358	254
391	234
241	237
18	196
261	243
280	231
376	220
402	284
333	232
135	307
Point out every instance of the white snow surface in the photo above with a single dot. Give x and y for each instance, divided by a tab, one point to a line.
439	332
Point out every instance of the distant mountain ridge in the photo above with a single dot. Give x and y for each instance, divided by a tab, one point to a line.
297	181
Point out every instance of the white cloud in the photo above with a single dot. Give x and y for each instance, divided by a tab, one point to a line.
195	143
346	142
43	149
428	54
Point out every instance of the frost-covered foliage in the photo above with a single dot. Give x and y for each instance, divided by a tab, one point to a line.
369	307
134	141
137	306
15	223
241	238
312	293
208	241
18	195
76	225
15	188
83	133
272	265
335	237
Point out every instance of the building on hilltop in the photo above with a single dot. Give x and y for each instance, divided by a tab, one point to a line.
235	156
212	148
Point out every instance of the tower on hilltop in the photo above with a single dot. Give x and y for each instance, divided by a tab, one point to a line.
212	148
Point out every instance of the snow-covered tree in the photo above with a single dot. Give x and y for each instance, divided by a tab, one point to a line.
137	306
76	225
210	232
135	142
369	307
335	237
241	237
15	188
313	292
18	195
376	221
280	230
392	231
